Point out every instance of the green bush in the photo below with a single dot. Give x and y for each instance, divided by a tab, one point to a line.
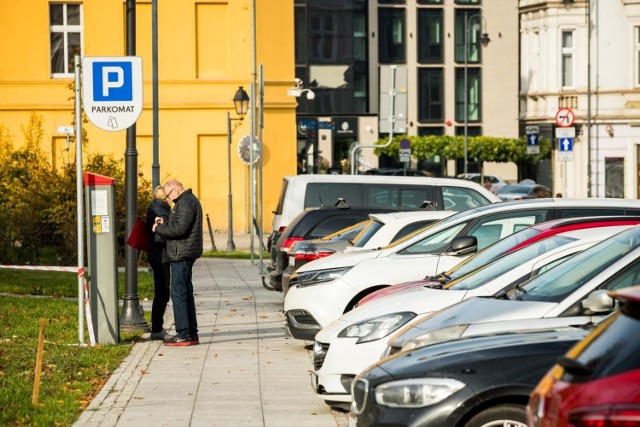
39	203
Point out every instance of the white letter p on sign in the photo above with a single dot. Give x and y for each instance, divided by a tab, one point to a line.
108	83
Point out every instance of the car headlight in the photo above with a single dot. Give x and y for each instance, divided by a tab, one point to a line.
376	328
310	278
416	392
435	336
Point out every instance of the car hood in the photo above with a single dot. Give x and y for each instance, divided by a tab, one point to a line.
417	300
341	259
419	361
473	310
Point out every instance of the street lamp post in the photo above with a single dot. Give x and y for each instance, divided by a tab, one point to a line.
484	39
241	104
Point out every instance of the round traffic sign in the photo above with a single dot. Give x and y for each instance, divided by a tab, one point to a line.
565	117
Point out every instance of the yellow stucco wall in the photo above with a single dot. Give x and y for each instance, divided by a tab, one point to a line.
205	53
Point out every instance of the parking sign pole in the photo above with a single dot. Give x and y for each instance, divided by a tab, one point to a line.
79	208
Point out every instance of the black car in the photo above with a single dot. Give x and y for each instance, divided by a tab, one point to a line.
310	224
483	380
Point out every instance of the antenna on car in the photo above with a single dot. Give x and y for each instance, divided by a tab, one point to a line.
428	205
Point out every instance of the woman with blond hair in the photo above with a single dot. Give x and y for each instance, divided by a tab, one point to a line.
159	261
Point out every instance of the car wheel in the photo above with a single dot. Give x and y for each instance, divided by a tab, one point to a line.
500	416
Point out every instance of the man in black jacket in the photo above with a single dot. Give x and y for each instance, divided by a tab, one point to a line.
183	233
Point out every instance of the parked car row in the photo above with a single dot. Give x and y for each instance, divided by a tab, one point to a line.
457	322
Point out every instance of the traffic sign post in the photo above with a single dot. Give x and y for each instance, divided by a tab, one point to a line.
533	140
565	149
112	91
565	117
405	151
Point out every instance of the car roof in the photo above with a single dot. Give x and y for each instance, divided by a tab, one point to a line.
408	215
557	226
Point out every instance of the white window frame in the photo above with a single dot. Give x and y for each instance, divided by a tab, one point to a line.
567	52
65	29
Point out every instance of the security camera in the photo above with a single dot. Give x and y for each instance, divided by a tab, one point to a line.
298	82
310	94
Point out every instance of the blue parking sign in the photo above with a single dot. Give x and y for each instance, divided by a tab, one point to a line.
112	91
112	81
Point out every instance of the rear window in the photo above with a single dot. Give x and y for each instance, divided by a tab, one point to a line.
461	198
278	210
613	351
369	195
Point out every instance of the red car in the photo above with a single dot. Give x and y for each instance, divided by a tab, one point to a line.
597	383
509	244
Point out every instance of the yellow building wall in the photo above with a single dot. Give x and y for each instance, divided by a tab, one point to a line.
206	52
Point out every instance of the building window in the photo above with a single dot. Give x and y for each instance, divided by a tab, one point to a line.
430	95
467	2
391	35
468	23
65	29
474	90
430	34
429	1
567	59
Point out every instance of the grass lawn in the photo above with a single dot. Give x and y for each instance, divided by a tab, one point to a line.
71	374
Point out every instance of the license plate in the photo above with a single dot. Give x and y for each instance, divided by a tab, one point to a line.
292	260
353	421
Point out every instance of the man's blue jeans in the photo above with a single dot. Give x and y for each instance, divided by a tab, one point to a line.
184	307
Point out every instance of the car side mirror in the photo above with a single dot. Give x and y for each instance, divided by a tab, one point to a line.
463	245
599	302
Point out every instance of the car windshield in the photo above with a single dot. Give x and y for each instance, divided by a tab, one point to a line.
347	233
367	232
490	253
510	189
556	284
507	263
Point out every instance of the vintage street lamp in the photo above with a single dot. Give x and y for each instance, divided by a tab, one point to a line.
484	40
241	104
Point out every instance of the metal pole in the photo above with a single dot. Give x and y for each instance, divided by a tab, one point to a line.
589	99
231	246
131	318
253	125
155	166
466	94
260	214
80	206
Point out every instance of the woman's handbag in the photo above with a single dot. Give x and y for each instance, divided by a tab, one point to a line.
139	238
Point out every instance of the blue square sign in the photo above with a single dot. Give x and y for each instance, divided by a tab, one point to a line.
112	81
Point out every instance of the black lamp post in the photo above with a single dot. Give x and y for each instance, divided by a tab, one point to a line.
241	104
484	40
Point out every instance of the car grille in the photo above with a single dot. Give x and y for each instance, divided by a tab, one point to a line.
359	393
318	357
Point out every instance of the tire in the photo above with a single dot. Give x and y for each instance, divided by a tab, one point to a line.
510	415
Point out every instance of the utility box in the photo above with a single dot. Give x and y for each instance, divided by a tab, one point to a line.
100	196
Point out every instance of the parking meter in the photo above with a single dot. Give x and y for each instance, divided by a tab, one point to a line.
100	204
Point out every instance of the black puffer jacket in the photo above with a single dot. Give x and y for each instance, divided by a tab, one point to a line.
183	230
157	253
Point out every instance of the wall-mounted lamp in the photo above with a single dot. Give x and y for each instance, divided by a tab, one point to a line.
299	90
609	129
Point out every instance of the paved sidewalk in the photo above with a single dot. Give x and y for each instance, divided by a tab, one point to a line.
245	372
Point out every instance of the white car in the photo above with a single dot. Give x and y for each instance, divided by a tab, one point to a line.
322	290
357	339
567	291
385	228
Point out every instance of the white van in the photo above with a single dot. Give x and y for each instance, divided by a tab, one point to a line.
304	191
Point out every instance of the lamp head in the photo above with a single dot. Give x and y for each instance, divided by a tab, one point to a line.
241	102
484	39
